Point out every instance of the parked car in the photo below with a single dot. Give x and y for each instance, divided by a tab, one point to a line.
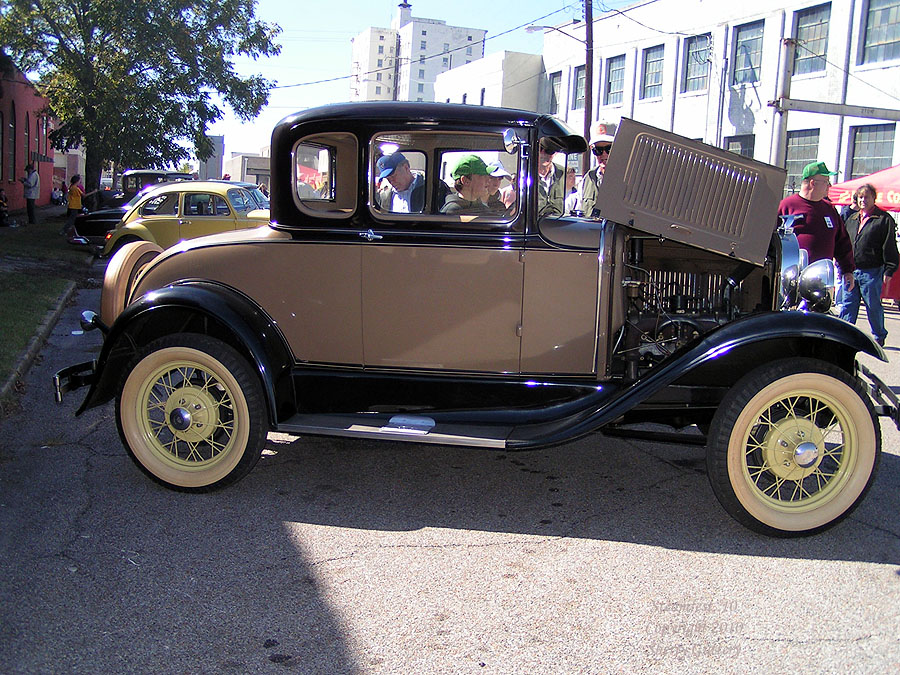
170	213
94	227
133	181
496	329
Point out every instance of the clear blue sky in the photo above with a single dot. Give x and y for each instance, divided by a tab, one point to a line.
315	45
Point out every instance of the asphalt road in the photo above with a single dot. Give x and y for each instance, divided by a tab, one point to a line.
335	556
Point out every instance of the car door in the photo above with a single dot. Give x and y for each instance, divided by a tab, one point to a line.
440	292
159	216
205	213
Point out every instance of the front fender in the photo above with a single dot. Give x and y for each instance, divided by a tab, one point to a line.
718	358
198	307
128	232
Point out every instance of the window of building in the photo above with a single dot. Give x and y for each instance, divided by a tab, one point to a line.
421	59
446	62
377	89
578	89
421	73
871	148
378	76
695	74
748	40
381	49
381	37
741	145
11	142
380	62
468	51
27	137
421	87
469	38
2	143
652	72
446	47
555	84
46	136
882	34
615	80
812	39
802	148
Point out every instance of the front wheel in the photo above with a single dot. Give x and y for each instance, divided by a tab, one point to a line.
191	414
793	447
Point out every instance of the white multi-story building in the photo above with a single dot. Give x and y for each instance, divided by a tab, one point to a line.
502	79
402	62
707	69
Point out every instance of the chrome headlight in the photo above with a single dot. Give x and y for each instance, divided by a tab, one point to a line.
817	286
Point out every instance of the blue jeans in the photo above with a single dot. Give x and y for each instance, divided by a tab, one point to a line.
868	289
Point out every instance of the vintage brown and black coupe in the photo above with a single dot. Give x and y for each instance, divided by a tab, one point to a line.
356	314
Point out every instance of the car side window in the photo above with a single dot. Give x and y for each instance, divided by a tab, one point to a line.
201	204
444	180
325	170
161	205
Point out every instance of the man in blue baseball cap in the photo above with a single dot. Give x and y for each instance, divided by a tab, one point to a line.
405	189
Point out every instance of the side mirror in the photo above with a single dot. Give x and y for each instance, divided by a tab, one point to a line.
512	141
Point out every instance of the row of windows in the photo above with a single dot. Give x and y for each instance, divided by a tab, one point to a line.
34	144
881	42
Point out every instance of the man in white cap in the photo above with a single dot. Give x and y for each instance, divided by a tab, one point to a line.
496	173
600	145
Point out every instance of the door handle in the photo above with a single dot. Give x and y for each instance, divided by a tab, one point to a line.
368	235
183	222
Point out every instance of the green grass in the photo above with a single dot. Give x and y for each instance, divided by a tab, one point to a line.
36	264
23	305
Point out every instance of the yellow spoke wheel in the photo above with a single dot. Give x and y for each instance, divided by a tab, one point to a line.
190	412
793	447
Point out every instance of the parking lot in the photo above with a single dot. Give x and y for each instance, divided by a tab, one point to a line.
604	555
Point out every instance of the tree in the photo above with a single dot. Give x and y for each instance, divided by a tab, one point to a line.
132	80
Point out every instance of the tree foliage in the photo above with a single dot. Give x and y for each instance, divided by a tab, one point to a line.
132	80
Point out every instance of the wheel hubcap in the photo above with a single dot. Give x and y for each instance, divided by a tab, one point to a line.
792	448
191	413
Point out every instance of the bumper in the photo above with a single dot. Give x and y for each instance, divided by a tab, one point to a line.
887	404
74	377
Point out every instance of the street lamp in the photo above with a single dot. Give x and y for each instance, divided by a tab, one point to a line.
588	43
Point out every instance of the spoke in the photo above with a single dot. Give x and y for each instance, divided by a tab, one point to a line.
193	455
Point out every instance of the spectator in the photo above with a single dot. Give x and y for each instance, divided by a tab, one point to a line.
601	145
471	176
405	189
850	208
76	193
32	183
874	237
4	209
573	198
550	183
264	189
496	173
821	231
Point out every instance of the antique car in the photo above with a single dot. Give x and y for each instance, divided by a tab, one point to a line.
134	181
169	213
351	316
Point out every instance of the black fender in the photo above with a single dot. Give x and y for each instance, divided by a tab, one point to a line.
199	307
720	357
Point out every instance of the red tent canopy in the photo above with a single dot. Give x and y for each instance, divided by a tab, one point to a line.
887	185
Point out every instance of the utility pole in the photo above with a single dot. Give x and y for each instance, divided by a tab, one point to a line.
588	80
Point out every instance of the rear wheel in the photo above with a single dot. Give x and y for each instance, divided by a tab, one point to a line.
191	413
793	447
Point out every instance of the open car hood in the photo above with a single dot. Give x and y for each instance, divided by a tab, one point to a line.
687	191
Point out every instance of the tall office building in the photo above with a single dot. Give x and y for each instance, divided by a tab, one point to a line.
401	63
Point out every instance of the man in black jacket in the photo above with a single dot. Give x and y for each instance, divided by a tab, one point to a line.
874	238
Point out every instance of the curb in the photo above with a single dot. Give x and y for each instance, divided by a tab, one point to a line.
37	342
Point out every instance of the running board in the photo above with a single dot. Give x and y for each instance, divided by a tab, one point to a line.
409	428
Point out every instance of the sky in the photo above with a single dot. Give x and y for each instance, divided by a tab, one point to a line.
315	45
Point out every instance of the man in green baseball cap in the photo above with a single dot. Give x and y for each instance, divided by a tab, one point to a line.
820	230
472	185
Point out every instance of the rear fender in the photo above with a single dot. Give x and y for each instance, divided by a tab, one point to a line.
197	307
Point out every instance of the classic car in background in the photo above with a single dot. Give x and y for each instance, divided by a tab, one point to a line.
167	214
134	181
358	315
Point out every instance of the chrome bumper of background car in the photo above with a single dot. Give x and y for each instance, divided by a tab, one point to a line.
887	404
73	377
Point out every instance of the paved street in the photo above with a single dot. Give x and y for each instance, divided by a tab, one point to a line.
601	556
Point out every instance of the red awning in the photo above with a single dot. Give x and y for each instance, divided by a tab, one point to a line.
887	185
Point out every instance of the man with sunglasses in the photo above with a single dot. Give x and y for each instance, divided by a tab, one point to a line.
600	145
551	183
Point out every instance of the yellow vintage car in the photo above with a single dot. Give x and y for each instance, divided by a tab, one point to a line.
177	211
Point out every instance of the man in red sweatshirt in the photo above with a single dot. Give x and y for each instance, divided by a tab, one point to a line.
821	231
